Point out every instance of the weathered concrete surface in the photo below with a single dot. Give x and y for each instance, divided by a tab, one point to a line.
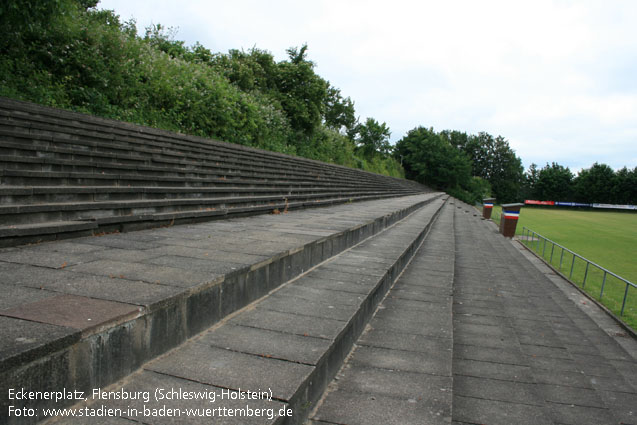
526	349
524	352
476	330
292	342
89	311
400	369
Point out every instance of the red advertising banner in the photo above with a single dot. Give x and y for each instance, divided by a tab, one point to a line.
531	202
578	204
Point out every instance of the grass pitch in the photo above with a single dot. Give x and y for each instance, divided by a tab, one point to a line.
607	238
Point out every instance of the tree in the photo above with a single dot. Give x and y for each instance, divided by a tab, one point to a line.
595	184
625	189
431	160
301	91
527	190
163	38
250	71
480	149
373	138
505	171
339	112
554	183
493	160
457	139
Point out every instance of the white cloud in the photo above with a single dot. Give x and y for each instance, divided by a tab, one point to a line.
555	77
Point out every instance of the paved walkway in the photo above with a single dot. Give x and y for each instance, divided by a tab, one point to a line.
523	352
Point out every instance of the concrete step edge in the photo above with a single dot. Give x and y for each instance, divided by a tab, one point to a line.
114	351
14	234
312	389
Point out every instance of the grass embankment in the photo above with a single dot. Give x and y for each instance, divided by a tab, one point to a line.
607	238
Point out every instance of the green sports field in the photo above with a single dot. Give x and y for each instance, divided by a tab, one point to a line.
607	238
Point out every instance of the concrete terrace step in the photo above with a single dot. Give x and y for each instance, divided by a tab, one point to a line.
24	210
129	138
88	312
56	142
400	369
54	178
22	173
75	130
32	153
290	343
42	146
10	195
32	223
14	162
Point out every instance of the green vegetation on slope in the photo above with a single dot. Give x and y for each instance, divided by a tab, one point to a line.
69	54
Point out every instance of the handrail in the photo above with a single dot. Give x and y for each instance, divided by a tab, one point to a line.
527	232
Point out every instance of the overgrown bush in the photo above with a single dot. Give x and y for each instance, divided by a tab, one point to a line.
69	54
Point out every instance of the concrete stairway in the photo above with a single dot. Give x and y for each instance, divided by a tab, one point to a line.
65	174
400	370
85	313
426	316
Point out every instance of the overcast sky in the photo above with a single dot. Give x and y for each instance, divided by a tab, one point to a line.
558	79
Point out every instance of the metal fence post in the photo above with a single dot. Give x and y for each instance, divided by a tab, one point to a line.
585	274
601	294
544	248
572	265
552	249
561	258
624	302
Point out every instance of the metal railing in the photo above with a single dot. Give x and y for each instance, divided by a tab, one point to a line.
535	241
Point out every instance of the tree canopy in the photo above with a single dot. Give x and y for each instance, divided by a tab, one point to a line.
69	54
597	184
468	166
